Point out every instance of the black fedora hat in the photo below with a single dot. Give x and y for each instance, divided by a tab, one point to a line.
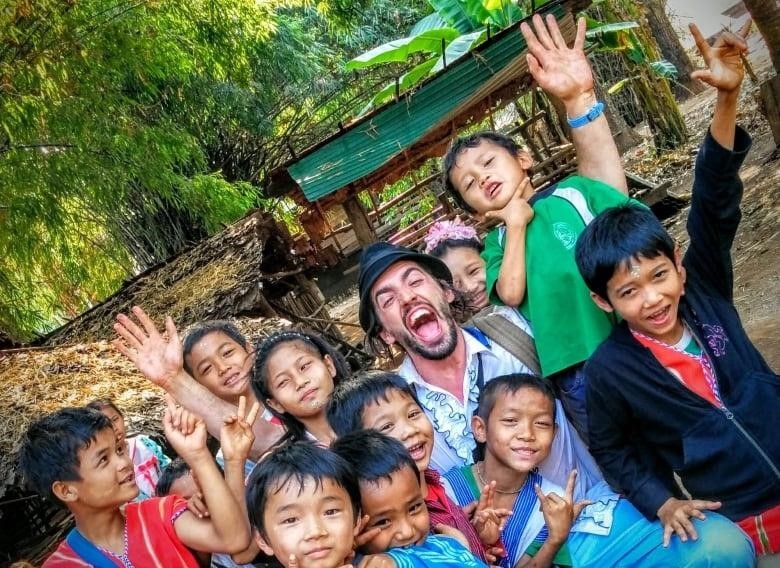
375	261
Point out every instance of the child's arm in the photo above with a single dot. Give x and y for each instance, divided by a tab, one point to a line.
559	515
566	74
717	189
227	529
161	361
236	438
516	215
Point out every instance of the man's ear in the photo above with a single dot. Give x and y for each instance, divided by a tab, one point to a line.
261	543
479	428
64	491
449	294
387	337
602	303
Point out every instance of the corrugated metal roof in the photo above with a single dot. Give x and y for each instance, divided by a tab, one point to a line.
370	144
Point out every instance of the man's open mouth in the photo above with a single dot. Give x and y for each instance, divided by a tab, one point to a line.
424	323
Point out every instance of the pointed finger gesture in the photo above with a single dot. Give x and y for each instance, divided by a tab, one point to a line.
561	71
158	358
725	69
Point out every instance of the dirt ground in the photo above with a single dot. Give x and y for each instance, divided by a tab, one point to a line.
755	252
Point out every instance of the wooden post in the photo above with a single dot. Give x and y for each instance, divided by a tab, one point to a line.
770	95
364	232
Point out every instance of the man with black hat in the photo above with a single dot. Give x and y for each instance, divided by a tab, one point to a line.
404	301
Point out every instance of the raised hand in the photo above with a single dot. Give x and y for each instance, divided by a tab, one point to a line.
560	512
236	435
725	69
158	358
185	431
364	535
487	520
561	71
675	515
197	506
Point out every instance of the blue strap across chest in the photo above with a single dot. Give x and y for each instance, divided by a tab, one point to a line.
87	551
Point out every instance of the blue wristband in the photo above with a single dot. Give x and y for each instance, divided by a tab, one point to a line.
593	113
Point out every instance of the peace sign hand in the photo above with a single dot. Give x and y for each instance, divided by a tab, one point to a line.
560	512
236	436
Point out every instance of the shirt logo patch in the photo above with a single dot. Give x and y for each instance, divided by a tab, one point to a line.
716	339
565	234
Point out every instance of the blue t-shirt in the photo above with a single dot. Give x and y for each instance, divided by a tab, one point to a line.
437	550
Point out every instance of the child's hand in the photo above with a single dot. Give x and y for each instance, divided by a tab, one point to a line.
560	512
236	435
185	431
725	70
365	535
517	213
564	73
675	516
197	506
375	561
157	358
487	520
451	532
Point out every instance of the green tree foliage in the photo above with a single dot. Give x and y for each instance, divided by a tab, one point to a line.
131	128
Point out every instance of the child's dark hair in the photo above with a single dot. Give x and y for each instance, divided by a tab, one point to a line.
204	329
177	469
311	342
374	456
507	385
50	447
614	238
350	398
442	247
472	141
100	403
296	462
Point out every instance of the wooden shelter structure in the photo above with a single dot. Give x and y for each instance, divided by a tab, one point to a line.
402	135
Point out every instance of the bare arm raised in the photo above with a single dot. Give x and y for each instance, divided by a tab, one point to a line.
565	73
161	361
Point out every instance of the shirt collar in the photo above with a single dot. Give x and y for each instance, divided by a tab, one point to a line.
473	347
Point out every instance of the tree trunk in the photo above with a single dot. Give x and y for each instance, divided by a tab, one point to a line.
766	15
671	49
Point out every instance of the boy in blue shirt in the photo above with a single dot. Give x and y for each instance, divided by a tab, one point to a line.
391	497
678	387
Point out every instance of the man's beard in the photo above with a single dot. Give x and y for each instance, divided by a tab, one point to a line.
443	349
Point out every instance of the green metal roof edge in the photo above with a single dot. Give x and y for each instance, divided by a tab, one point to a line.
365	148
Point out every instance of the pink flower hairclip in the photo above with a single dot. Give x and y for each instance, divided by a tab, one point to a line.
442	231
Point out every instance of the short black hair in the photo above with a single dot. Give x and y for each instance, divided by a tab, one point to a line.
177	469
207	328
460	145
350	398
374	456
510	384
615	237
100	403
507	385
296	462
50	446
310	341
